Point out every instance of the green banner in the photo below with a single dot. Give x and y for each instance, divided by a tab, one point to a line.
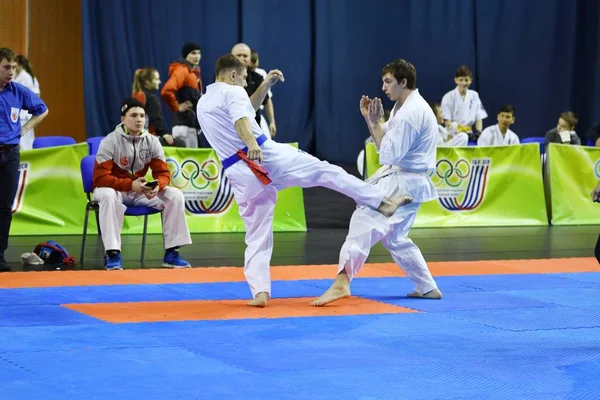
50	198
573	172
482	186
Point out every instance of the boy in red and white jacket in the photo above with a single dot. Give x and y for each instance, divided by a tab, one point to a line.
121	164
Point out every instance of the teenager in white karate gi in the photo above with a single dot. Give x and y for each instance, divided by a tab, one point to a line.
407	151
446	138
462	107
500	134
227	118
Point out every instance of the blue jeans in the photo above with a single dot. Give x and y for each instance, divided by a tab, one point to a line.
9	177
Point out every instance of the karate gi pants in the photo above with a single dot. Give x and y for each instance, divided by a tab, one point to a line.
112	206
461	139
368	227
287	167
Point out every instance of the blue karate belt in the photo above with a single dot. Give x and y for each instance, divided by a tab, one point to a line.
229	161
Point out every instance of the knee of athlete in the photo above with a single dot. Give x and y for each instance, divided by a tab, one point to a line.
352	251
329	171
337	169
397	243
105	195
463	138
174	194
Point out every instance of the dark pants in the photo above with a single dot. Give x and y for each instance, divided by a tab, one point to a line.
202	142
9	177
176	142
597	250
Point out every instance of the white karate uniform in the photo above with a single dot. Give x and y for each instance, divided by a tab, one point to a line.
460	139
25	79
462	112
407	153
492	136
217	112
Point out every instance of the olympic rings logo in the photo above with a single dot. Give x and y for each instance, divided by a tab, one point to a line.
452	175
597	169
199	176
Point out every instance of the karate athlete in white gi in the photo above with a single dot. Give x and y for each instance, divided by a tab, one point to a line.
407	151
258	167
500	134
462	107
448	138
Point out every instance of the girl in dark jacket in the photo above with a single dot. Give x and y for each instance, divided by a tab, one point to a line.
146	82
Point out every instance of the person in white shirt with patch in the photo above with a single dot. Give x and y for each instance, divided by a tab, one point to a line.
257	167
462	107
445	137
407	151
268	129
500	134
26	77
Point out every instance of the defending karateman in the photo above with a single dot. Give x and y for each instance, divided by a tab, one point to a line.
406	144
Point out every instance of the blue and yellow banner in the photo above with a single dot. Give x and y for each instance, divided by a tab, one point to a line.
573	172
50	198
482	186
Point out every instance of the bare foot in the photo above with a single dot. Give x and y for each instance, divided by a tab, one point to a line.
335	292
389	205
339	289
434	294
260	300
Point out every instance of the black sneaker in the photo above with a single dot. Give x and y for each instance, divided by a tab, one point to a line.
4	267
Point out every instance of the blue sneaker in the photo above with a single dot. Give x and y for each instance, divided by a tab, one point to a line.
174	260
113	261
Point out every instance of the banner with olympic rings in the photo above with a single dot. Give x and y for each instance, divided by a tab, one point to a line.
572	173
482	186
209	202
50	198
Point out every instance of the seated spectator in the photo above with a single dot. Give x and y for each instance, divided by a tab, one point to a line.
462	106
593	135
448	138
500	134
121	164
564	131
146	82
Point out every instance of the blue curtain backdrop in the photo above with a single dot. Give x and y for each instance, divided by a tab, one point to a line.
542	56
